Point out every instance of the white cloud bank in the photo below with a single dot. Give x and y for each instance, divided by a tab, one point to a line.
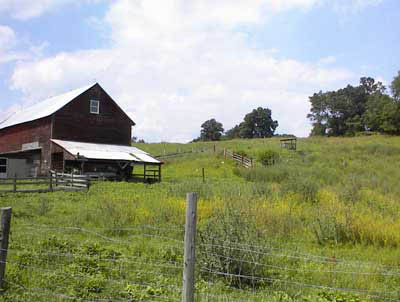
174	64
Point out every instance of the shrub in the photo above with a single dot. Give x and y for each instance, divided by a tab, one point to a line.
229	243
268	157
242	153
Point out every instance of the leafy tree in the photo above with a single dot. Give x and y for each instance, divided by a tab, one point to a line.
233	133
211	130
341	112
382	114
257	124
395	87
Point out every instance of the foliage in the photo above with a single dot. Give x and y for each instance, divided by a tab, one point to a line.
335	199
268	157
341	112
219	239
211	130
395	87
256	124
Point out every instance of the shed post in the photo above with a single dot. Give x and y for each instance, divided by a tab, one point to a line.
159	172
190	248
5	232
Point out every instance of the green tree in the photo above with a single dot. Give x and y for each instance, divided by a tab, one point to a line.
341	112
233	132
395	87
211	130
382	114
258	123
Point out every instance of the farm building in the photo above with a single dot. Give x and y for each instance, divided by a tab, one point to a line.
82	130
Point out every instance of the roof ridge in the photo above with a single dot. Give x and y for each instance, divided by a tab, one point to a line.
22	116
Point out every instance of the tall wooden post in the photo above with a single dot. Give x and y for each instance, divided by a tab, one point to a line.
224	153
203	174
214	148
5	232
190	248
50	182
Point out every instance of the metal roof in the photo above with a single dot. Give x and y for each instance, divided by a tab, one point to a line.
103	151
44	108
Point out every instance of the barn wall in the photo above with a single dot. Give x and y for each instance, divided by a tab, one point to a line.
35	134
74	122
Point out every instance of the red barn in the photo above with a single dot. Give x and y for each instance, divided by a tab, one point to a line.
83	130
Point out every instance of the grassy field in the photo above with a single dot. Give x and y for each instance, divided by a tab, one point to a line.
322	224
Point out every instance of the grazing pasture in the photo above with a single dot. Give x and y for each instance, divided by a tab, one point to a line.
321	224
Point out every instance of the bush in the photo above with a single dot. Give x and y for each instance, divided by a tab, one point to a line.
268	157
242	153
230	243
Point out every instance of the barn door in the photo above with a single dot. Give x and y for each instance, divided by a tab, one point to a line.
3	167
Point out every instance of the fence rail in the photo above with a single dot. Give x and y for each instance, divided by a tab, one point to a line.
54	182
239	158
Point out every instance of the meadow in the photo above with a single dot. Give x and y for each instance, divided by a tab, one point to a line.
322	224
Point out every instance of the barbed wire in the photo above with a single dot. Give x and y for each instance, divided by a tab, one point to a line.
311	259
45	292
299	270
305	285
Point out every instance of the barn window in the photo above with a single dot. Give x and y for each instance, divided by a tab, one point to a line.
3	165
94	106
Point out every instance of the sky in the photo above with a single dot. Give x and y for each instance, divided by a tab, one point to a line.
173	64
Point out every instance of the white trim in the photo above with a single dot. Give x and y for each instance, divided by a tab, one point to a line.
95	104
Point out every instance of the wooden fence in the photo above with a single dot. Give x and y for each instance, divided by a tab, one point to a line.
240	159
53	182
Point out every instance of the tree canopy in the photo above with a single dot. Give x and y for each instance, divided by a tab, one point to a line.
256	124
355	109
211	130
395	87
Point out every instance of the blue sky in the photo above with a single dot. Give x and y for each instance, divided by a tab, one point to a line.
173	64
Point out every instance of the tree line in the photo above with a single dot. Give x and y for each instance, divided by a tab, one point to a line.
256	124
350	110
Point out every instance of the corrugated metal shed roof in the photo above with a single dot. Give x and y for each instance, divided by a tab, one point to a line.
103	151
44	108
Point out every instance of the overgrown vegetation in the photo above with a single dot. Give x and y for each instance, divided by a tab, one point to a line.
326	216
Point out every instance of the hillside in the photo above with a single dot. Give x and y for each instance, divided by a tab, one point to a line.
322	224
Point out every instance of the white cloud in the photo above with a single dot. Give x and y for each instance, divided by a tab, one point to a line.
27	9
172	66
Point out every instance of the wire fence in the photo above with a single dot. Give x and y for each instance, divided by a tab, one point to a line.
147	263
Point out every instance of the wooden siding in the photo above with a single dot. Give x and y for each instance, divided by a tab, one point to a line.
74	122
13	138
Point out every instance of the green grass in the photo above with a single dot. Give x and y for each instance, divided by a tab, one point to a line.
291	225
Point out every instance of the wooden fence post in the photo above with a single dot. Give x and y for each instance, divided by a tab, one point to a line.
214	148
203	174
190	248
15	183
51	182
5	232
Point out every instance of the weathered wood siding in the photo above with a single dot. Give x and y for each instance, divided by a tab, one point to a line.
74	122
14	138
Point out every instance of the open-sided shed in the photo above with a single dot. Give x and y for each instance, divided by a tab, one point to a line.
105	160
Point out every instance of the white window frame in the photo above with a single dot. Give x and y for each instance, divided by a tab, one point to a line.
95	104
4	174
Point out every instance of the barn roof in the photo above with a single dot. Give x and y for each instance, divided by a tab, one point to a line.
45	108
108	152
